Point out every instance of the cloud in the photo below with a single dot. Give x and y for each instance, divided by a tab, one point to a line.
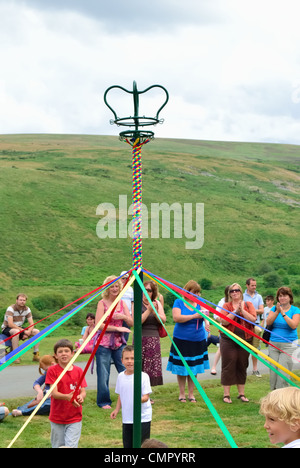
231	69
132	15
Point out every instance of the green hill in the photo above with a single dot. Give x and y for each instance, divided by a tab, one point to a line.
51	186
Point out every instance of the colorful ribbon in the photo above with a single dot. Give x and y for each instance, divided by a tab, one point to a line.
94	331
203	302
255	352
137	205
31	342
194	379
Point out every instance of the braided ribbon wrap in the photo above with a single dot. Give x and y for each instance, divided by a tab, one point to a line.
136	144
137	205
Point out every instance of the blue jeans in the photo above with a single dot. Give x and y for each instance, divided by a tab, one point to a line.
103	360
44	409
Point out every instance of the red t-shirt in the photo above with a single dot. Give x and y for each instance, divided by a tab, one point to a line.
62	411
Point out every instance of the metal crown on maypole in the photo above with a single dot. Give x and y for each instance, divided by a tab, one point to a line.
136	138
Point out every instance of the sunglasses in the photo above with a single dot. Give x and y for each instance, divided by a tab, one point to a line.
149	290
234	290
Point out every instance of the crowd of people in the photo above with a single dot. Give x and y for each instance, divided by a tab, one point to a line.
242	318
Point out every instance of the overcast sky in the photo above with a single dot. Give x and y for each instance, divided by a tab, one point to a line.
231	67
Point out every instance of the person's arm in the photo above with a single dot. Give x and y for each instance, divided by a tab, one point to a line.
150	311
114	414
30	326
110	328
161	313
291	322
260	310
38	388
146	313
179	318
145	398
80	398
61	396
125	316
273	314
230	315
11	324
243	312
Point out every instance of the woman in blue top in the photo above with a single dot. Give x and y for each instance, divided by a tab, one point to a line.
189	336
285	318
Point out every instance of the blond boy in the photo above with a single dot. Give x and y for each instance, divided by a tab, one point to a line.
281	409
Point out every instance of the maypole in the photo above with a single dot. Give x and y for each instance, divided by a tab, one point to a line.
136	138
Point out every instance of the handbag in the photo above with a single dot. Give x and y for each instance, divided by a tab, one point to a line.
267	332
161	331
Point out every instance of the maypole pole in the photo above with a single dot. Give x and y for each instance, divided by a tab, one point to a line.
136	138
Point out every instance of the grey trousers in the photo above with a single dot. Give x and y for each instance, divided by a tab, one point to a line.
286	361
65	435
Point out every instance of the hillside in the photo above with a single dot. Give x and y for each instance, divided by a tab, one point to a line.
51	186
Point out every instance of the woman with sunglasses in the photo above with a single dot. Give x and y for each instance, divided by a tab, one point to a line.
235	359
151	352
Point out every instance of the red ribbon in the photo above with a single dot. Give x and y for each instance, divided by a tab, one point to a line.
53	313
211	309
76	391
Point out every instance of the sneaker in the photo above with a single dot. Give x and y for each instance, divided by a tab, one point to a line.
256	373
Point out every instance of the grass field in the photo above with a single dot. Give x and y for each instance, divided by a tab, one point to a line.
51	185
179	425
50	188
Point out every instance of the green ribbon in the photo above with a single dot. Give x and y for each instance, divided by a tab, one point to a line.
46	333
223	330
197	384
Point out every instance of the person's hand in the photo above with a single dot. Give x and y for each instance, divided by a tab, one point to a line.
119	316
124	330
80	399
39	396
69	397
113	415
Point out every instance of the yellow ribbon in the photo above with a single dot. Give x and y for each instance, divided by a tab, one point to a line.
93	332
228	332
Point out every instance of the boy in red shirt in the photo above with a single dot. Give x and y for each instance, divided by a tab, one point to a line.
65	417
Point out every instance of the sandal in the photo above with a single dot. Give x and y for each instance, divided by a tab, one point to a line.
227	399
182	400
243	399
192	400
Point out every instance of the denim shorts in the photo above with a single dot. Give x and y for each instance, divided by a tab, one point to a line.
2	413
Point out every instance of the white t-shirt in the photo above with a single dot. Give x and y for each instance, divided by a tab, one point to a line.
19	317
128	298
294	444
124	388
